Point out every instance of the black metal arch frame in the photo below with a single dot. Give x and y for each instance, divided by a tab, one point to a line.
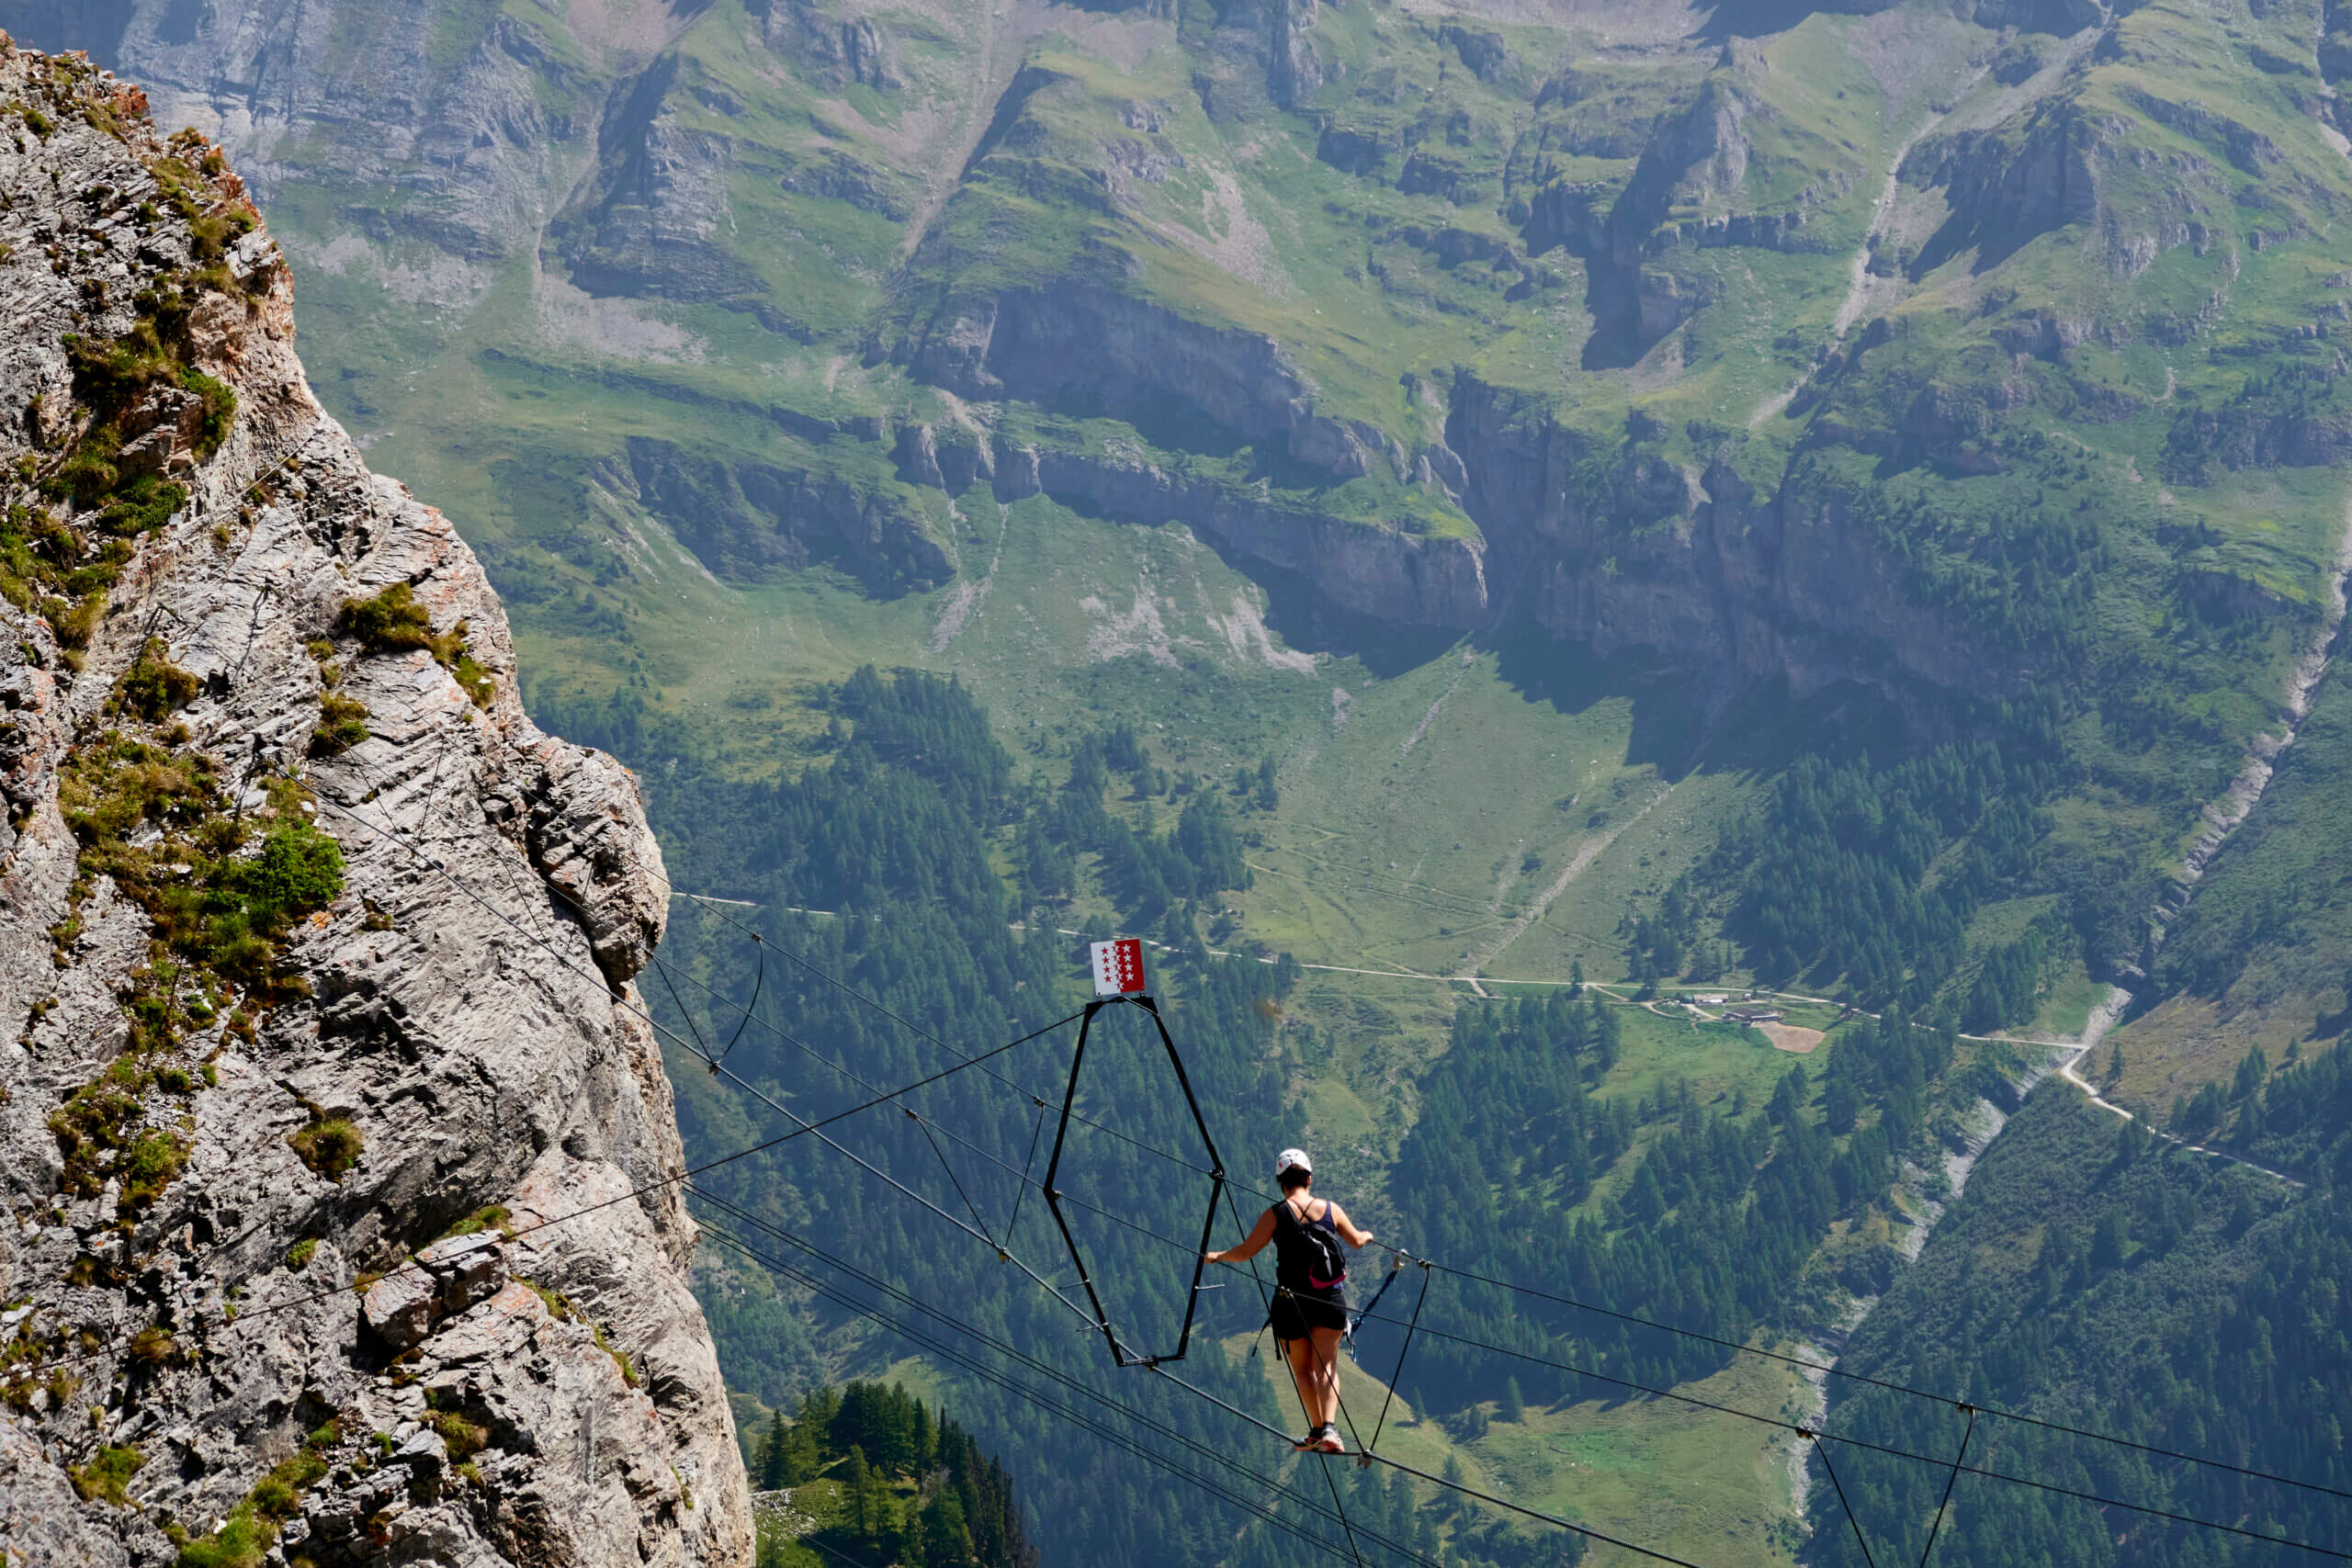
1120	1355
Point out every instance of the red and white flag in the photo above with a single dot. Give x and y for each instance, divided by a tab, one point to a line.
1118	967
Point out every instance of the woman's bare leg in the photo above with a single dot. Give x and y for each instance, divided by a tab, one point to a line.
1301	1353
1326	1375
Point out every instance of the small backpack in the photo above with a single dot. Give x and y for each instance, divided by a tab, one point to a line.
1325	1265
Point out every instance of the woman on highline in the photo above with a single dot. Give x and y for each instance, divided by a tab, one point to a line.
1310	1308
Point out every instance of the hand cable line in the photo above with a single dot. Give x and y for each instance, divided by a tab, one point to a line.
684	1177
623	1002
950	1355
927	1125
1086	1318
1047	1369
1829	1369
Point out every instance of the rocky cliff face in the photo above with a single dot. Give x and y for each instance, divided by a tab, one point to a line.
316	956
1622	549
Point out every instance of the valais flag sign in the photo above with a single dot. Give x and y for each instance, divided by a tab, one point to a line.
1118	967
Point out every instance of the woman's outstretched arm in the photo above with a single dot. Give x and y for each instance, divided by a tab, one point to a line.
1260	1235
1347	1228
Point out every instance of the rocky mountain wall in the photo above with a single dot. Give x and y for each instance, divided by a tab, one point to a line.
317	957
1620	550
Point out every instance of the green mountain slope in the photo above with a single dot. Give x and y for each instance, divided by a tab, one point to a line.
1685	497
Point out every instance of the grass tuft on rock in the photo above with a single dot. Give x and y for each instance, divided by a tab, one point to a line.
393	622
106	1478
153	687
329	1146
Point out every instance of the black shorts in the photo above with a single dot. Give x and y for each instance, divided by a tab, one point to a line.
1294	1312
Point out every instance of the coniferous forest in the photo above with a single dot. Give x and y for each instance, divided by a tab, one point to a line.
1715	1214
1714	1204
1707	641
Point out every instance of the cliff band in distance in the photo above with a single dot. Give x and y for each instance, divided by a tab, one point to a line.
261	1061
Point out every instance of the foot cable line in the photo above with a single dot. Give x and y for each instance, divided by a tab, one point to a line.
1859	1539
1937	1528
1235	1410
1046	1369
978	1370
1950	1467
1463	1487
1827	1367
1057	1374
1805	1363
1891	1452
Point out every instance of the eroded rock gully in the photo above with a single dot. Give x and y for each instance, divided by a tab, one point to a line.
232	1303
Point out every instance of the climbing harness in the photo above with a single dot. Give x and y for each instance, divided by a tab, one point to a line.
1119	979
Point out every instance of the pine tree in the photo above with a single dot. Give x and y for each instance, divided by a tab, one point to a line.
858	1490
1514	1404
775	1455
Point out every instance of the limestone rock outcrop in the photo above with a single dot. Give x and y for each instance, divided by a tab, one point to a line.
341	1179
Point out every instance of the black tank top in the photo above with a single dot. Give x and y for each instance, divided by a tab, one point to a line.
1308	1258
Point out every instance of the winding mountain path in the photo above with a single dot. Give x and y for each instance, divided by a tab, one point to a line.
1592	849
1857	288
2223	818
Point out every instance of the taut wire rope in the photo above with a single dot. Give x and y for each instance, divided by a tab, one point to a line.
1805	1363
980	1235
